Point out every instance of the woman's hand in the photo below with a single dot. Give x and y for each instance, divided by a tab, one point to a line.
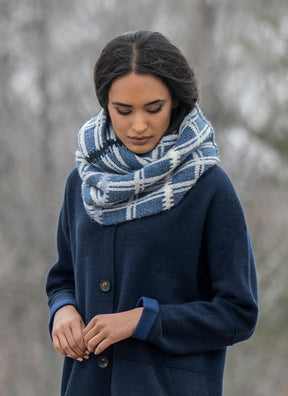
67	333
105	330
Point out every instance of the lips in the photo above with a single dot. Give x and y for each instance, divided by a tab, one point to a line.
139	140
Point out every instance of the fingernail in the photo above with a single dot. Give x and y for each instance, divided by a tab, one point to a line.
86	357
80	360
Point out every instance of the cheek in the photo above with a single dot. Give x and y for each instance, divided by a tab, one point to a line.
163	121
119	123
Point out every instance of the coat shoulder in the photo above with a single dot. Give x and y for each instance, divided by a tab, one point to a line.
73	177
217	178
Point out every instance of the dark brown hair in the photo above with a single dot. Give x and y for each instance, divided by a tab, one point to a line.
145	52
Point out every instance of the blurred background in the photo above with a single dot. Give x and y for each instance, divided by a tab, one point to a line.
239	51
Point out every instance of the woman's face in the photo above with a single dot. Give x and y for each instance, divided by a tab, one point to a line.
140	107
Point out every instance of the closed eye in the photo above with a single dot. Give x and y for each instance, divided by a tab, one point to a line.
154	111
125	112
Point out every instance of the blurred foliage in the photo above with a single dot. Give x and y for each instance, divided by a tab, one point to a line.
47	54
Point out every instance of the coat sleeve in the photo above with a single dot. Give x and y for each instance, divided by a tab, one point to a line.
230	314
60	279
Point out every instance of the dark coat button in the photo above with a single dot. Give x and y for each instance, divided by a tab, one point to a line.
105	285
102	361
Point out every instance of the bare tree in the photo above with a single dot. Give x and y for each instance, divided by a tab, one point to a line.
47	54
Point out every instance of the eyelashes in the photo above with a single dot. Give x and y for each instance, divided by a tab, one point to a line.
123	112
127	112
156	110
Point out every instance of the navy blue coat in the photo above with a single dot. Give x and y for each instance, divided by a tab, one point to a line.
192	269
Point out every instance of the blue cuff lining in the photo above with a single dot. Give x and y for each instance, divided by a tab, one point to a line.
55	308
148	317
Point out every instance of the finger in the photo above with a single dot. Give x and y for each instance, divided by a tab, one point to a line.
94	322
89	327
64	347
68	349
73	345
78	339
94	341
57	345
93	332
102	346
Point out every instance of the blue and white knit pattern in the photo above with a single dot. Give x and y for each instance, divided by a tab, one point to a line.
118	185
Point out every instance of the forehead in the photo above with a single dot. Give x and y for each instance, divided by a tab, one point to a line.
138	88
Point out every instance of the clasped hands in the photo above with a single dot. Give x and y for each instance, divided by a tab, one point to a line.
73	339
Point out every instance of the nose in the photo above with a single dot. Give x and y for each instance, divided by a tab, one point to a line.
139	124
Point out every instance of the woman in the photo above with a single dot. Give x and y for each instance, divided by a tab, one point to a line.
155	275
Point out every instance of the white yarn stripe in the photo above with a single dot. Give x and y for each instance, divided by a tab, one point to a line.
118	185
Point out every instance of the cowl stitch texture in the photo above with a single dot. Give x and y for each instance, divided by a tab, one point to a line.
119	185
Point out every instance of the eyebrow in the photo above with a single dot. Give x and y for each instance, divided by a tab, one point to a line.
146	104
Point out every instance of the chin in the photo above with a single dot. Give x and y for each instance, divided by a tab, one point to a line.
144	149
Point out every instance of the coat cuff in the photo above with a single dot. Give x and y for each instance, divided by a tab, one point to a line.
55	308
148	317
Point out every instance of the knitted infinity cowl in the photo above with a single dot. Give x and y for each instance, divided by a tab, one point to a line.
118	185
